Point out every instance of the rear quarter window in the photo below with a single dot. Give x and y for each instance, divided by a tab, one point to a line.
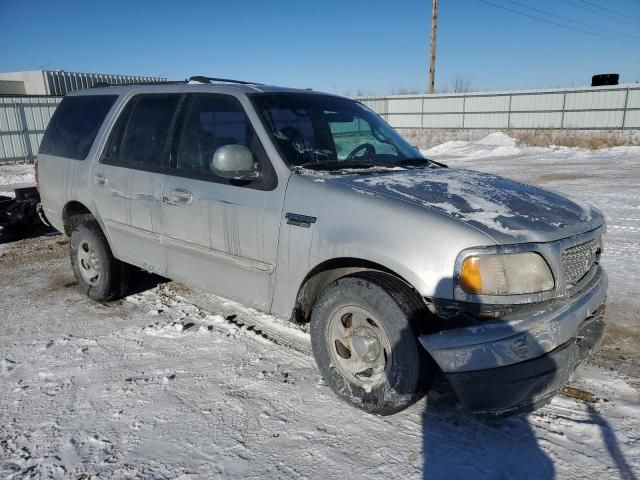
75	124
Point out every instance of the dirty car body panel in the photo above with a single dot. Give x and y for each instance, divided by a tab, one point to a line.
258	239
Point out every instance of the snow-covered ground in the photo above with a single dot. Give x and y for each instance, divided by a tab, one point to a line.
155	387
13	175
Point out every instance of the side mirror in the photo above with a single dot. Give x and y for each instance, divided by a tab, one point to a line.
234	161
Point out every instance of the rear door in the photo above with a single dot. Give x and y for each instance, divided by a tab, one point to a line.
221	234
132	171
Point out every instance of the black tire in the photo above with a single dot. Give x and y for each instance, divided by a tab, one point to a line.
409	371
111	282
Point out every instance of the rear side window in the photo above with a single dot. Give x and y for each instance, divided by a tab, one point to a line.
141	136
75	124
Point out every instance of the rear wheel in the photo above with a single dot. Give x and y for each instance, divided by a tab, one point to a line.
364	339
101	276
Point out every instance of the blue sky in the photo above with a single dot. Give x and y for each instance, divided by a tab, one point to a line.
337	46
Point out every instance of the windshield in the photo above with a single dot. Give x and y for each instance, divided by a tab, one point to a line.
331	133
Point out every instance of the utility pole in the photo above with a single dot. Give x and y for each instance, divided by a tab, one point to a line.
432	63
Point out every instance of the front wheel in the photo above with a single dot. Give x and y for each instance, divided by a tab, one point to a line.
99	273
364	340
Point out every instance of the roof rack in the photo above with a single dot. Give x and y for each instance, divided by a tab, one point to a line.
159	82
203	79
197	78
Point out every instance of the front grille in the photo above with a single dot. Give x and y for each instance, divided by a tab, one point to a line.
579	260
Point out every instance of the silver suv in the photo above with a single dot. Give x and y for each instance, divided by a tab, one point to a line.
309	206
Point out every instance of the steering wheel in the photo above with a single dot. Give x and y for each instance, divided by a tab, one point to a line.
369	149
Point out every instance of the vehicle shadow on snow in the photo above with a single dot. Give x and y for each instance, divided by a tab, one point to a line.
140	281
457	445
611	443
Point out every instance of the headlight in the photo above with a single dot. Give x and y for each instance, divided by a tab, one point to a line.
505	274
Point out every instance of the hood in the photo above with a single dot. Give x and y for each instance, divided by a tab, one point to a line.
508	211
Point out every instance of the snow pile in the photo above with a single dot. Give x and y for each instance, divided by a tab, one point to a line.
496	144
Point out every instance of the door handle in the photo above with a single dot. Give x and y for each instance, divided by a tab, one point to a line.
181	197
100	179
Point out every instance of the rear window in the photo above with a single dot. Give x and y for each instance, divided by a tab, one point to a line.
75	124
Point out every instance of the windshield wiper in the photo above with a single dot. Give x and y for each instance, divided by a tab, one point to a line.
418	162
335	165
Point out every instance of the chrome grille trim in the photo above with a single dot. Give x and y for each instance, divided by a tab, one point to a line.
579	260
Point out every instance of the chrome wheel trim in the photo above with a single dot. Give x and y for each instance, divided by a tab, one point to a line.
359	346
88	262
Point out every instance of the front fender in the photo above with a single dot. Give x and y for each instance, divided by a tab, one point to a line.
413	242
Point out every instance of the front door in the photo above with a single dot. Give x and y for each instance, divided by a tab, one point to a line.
221	234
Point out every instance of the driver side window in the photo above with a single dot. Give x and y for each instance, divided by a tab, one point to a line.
295	134
348	136
212	122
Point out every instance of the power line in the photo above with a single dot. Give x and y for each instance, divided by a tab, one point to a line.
595	5
567	19
597	12
540	19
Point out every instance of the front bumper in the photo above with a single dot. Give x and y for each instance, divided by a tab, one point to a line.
519	362
523	387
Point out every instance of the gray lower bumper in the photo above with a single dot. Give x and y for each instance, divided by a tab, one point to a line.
526	386
520	336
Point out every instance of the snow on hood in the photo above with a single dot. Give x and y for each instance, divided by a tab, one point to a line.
506	210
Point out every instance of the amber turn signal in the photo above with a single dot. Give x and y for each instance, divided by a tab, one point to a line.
470	276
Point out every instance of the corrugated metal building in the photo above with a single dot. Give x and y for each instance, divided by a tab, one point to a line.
23	121
23	118
12	87
606	108
28	100
59	82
